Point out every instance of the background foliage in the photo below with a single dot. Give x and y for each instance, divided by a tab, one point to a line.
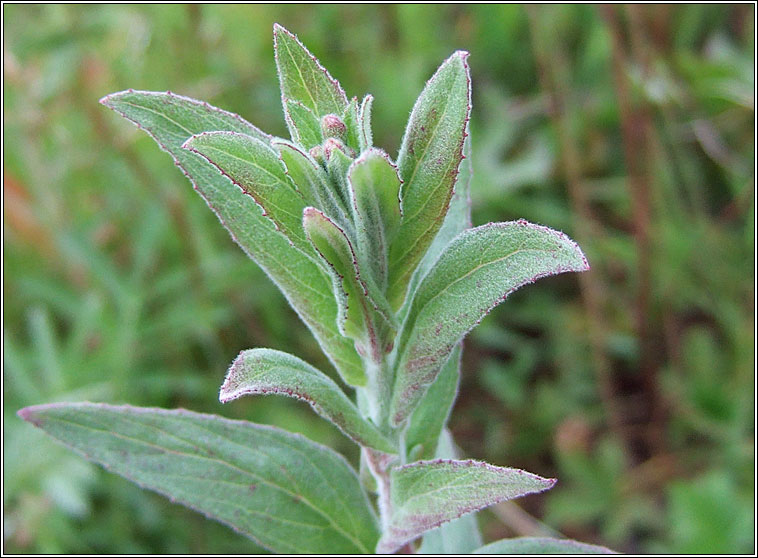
629	128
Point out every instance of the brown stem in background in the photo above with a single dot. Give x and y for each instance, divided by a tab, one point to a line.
636	127
585	226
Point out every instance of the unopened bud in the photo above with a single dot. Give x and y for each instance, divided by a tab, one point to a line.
317	153
333	127
330	145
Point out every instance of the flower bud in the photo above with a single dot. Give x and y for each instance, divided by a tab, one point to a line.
333	127
317	153
330	145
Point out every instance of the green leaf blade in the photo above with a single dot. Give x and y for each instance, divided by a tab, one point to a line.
331	242
459	536
262	371
430	416
541	545
429	157
261	481
256	169
362	316
476	272
365	137
311	180
303	79
426	494
170	120
304	126
374	186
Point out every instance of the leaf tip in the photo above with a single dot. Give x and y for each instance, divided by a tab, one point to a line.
33	414
230	389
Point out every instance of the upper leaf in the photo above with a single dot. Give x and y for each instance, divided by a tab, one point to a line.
374	189
353	126
457	220
426	494
365	137
268	371
311	180
172	119
262	481
362	316
477	271
302	78
429	156
541	545
257	170
304	126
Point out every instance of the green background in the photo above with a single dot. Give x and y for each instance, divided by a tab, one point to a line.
629	128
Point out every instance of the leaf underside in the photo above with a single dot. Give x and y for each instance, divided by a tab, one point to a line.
261	481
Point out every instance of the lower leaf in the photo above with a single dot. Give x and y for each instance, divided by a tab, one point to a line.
534	545
427	494
282	490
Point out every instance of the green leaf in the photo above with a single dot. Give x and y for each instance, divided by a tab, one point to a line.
365	137
457	220
302	78
433	410
536	545
374	190
426	494
257	170
460	536
358	320
337	165
172	119
261	371
311	180
429	157
261	481
304	126
476	272
353	126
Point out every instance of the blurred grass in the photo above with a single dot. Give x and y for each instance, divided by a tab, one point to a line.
633	385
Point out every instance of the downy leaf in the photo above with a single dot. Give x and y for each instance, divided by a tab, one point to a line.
430	153
433	410
374	190
311	180
337	165
459	536
304	126
426	494
262	371
257	170
476	272
302	78
457	220
537	545
172	119
358	319
352	126
261	481
365	138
